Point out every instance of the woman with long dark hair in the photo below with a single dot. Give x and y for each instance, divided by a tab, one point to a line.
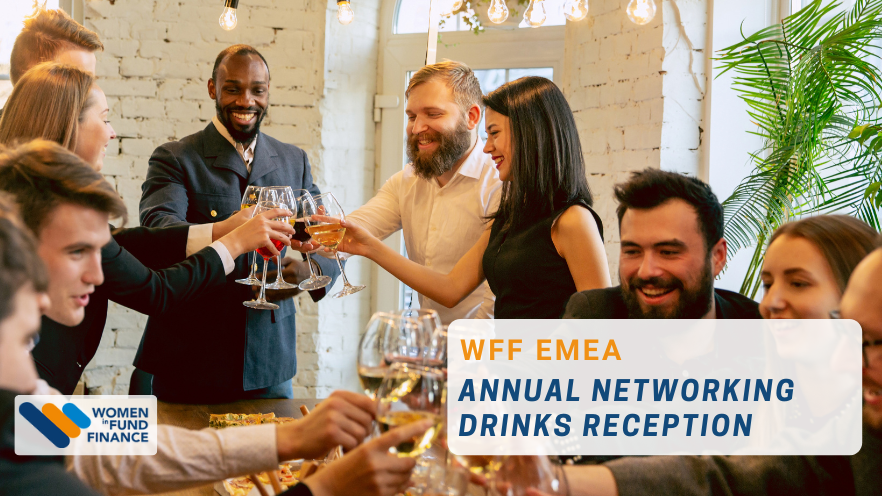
545	242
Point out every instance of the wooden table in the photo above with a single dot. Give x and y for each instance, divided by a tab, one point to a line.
196	417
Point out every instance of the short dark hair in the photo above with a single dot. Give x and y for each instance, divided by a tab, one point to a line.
41	175
650	188
20	264
234	51
547	167
46	33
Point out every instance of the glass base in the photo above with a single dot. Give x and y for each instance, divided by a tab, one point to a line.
260	305
314	283
348	290
249	281
282	285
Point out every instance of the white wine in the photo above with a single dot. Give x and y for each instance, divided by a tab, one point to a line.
481	464
329	235
371	379
419	444
400	384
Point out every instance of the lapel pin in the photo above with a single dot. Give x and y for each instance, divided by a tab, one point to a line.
214	213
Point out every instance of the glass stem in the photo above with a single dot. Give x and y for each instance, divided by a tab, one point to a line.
279	279
311	271
262	299
342	272
253	265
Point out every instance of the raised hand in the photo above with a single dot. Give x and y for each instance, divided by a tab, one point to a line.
369	470
344	419
258	232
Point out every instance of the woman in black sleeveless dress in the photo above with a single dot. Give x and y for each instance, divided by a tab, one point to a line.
545	242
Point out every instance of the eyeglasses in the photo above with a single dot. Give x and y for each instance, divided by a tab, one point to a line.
870	348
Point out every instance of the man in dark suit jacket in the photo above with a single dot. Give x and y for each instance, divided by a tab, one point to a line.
672	247
217	349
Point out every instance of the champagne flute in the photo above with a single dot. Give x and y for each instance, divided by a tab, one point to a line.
411	393
260	303
283	195
250	198
299	222
329	233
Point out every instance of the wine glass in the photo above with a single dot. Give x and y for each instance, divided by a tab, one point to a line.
260	303
329	233
250	198
282	195
411	393
437	354
372	366
299	222
519	473
405	341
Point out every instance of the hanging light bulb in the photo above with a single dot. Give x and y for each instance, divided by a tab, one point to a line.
576	10
228	18
641	11
456	5
535	14
344	12
498	11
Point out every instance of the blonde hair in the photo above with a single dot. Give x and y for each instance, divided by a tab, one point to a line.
46	33
48	103
459	78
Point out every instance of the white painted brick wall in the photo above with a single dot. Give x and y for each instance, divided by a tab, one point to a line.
157	60
634	97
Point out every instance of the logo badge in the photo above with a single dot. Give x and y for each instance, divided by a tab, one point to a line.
59	426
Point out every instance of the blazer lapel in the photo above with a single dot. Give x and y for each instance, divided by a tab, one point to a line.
264	159
224	154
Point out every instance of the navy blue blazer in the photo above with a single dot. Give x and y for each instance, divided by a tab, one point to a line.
217	343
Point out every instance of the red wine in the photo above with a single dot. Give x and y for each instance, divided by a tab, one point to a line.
265	253
300	233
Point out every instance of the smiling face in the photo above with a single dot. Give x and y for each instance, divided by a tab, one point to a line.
665	268
241	95
862	302
95	131
70	245
439	134
498	143
17	332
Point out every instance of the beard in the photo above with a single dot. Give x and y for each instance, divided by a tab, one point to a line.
452	145
244	137
694	303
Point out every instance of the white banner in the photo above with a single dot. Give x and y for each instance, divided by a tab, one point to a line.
654	387
85	425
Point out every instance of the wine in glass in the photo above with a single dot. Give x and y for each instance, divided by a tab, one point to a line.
411	393
260	303
282	195
300	234
373	359
249	199
323	225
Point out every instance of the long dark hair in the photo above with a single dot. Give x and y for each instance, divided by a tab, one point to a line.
547	168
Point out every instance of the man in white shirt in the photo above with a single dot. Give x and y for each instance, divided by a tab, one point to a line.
441	199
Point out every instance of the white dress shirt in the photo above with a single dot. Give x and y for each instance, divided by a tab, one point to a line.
439	224
199	236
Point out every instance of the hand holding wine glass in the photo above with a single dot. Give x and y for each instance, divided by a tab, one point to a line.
260	303
324	222
300	234
249	199
408	394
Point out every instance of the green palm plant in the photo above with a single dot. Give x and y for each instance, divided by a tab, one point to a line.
813	92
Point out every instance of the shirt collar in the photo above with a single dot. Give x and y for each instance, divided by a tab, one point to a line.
474	163
226	134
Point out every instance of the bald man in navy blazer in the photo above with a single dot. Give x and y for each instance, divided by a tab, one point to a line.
217	350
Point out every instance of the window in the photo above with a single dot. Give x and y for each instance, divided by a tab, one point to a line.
14	13
412	16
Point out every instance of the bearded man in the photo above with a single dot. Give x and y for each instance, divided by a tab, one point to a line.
442	198
217	350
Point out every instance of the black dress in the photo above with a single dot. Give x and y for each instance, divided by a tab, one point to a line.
525	272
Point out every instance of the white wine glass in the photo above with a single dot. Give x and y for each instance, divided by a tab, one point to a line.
412	393
405	342
300	234
328	232
249	199
372	366
520	473
260	303
283	195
